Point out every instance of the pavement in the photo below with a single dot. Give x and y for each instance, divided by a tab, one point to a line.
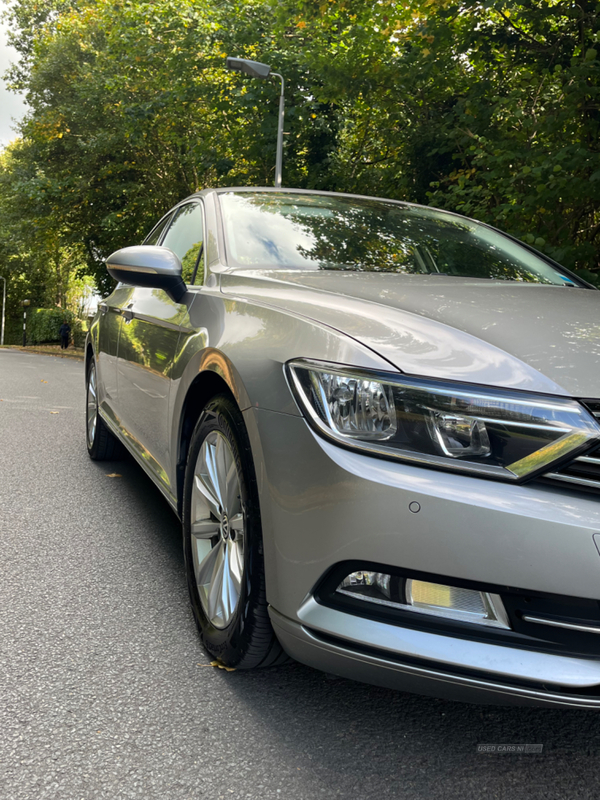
107	693
50	350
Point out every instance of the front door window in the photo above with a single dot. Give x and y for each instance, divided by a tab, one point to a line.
185	238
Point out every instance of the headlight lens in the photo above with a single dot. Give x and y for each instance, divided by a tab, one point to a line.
509	435
356	407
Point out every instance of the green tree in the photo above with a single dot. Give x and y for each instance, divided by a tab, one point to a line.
480	107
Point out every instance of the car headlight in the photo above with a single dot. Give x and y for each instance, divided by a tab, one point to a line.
493	432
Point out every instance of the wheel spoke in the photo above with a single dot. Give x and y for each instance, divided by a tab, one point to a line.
210	471
239	538
237	523
232	579
205	491
201	549
222	458
235	565
232	491
209	567
205	528
204	507
216	602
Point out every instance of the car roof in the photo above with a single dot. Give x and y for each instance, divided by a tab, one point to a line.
291	190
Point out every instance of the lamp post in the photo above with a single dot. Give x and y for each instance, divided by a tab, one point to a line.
3	307
25	303
257	70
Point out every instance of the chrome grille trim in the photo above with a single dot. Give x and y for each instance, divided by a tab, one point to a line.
573	479
585	470
572	626
589	460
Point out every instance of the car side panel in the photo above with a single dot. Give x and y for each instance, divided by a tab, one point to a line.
106	350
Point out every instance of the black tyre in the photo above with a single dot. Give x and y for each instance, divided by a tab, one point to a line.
223	542
101	444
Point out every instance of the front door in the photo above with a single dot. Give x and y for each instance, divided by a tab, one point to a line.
150	332
149	336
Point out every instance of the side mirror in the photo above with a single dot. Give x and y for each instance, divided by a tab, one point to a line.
148	265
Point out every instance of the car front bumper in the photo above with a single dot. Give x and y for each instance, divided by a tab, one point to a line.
322	505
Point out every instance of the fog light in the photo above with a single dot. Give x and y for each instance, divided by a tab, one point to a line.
424	597
467	605
372	586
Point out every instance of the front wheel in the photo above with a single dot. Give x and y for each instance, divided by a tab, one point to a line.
101	444
223	542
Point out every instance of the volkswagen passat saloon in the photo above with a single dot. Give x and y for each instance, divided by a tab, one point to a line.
379	424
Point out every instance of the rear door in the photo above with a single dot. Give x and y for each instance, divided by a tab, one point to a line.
151	327
109	327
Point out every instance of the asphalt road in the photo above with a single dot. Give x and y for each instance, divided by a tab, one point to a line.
105	689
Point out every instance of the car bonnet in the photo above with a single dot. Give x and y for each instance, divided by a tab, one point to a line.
501	333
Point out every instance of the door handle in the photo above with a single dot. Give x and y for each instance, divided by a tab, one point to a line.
127	312
103	308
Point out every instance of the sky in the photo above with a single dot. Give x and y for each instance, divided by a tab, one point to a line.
11	105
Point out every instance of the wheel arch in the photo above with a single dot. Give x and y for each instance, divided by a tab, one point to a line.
89	355
214	374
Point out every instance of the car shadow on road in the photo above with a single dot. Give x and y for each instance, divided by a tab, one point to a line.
361	739
145	500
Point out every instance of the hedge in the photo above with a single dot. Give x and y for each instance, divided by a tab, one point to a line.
43	325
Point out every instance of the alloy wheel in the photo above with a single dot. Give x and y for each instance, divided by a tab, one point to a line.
92	406
217	530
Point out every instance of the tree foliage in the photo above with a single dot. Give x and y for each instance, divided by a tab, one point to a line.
486	108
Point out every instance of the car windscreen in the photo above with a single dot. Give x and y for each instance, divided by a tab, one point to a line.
318	232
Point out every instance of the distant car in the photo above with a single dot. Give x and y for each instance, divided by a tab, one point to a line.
379	424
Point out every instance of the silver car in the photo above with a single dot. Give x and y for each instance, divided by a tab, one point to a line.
379	424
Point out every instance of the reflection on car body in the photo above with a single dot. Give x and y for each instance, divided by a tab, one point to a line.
380	426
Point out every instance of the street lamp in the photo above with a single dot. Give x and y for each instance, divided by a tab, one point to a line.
257	70
3	307
25	303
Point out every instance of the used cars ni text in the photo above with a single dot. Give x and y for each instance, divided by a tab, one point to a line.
379	424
